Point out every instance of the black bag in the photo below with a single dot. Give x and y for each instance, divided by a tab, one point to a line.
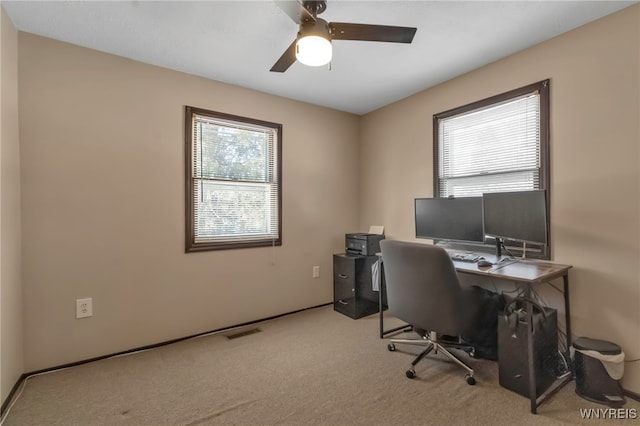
483	335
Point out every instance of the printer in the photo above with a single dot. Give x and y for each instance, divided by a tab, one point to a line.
362	244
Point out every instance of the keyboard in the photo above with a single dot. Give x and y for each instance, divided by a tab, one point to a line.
464	257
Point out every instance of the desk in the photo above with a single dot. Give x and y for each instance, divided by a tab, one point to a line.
530	273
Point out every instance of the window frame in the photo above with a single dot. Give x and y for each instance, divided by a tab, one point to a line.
190	244
543	88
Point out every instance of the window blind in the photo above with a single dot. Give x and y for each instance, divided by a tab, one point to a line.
235	181
492	149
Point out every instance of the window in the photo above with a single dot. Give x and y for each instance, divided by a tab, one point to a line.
233	181
497	144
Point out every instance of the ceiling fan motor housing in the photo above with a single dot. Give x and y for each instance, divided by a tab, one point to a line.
319	28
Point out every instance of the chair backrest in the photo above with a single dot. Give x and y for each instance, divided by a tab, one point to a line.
423	288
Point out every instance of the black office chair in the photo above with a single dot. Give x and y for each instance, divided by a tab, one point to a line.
423	290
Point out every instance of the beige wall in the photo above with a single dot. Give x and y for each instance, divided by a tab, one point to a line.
595	164
103	205
11	330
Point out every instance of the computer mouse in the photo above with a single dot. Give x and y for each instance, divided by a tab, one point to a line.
482	263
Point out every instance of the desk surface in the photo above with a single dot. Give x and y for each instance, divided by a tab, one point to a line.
528	271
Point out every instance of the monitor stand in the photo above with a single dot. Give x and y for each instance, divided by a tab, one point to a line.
498	249
500	261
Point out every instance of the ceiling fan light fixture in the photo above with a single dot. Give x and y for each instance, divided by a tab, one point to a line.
312	46
313	50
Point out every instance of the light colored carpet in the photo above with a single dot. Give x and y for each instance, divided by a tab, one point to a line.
315	367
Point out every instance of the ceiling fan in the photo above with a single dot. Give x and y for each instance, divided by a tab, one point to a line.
313	47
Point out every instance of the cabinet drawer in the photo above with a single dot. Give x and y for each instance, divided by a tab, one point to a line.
343	288
344	268
347	306
355	308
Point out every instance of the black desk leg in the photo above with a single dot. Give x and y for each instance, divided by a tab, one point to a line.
383	332
530	353
567	312
380	290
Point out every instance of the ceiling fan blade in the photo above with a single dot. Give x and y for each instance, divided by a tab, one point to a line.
286	60
365	32
295	10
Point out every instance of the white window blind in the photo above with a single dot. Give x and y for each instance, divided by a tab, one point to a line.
234	178
492	149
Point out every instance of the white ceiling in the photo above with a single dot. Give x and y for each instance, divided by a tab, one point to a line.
237	42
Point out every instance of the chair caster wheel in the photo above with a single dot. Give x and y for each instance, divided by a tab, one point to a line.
391	347
470	379
411	374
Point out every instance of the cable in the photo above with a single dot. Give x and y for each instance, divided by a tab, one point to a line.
563	335
535	294
518	290
563	341
540	299
495	288
567	369
24	384
556	288
506	249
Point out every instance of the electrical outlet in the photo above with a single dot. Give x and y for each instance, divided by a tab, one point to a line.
316	272
84	307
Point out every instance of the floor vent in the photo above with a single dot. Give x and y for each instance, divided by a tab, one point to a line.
243	333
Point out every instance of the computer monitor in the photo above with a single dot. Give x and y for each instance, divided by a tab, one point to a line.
520	216
452	219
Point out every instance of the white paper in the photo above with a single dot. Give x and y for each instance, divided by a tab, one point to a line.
376	229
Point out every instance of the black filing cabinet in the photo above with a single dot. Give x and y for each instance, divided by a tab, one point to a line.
353	294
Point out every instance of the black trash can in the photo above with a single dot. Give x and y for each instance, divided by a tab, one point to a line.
599	366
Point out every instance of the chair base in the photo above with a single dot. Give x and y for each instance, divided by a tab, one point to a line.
433	344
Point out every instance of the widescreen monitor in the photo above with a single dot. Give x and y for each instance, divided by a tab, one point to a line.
520	216
452	219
